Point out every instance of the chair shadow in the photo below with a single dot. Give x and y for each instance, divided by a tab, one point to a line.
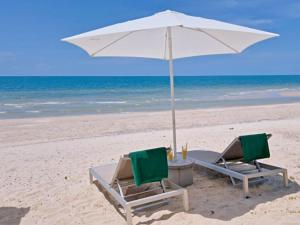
109	198
162	218
12	215
121	212
214	197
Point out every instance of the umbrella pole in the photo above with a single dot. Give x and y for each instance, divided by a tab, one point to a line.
171	71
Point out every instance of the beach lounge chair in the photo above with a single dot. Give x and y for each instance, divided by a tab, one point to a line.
138	181
239	160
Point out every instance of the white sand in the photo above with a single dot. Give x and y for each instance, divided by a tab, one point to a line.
44	166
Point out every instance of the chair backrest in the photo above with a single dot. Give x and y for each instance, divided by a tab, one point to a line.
123	169
234	151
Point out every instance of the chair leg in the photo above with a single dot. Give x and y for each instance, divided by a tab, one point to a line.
227	167
257	165
91	177
245	186
285	178
120	189
128	215
163	186
185	200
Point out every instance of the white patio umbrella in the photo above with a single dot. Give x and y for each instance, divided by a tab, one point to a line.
168	35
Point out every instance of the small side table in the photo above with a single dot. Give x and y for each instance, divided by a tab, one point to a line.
181	172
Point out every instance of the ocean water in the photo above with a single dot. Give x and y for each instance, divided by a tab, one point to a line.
23	97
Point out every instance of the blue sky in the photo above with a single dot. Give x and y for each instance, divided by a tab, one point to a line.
31	31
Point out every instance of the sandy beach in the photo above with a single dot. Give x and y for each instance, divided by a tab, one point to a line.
45	161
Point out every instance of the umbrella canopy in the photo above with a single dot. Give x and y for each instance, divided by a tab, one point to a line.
168	35
148	38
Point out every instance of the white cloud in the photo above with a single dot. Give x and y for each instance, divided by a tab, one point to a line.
291	10
44	67
6	56
253	22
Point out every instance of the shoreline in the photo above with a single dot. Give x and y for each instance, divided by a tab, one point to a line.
217	108
48	129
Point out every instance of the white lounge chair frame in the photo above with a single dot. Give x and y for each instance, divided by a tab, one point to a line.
226	166
114	188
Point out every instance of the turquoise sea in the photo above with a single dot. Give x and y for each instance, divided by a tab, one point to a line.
28	96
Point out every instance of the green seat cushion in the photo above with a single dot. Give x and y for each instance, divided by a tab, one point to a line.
149	165
255	147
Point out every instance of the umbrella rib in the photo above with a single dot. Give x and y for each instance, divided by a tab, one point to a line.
111	43
213	37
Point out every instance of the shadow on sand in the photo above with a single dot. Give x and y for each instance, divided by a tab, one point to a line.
214	197
12	215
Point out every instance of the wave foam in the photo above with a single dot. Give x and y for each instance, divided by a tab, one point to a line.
14	105
49	103
108	102
21	105
33	111
261	91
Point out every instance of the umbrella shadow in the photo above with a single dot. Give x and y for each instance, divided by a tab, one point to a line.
214	196
12	215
